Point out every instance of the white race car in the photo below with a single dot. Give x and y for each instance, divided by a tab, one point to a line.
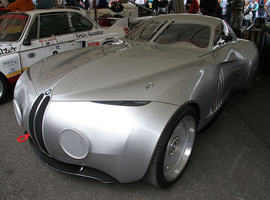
27	37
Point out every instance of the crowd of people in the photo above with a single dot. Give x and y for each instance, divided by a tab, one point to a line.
236	13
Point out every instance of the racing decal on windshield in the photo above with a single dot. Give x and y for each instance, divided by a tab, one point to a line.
89	34
7	50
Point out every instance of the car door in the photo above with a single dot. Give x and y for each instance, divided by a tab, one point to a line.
232	65
48	34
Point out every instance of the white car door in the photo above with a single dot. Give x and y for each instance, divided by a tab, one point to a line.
48	34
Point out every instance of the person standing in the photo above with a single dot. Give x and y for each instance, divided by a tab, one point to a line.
194	7
255	8
247	13
21	5
228	14
267	10
45	4
162	6
155	5
171	7
237	15
188	2
261	8
209	7
223	4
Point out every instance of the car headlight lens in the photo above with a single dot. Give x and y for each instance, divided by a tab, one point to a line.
74	143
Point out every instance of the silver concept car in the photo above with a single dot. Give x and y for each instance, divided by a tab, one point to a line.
131	109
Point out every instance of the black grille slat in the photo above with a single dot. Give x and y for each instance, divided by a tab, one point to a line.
32	117
38	123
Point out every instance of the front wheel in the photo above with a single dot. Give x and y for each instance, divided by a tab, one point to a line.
3	87
173	149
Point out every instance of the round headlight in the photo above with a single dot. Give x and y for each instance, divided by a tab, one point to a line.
74	143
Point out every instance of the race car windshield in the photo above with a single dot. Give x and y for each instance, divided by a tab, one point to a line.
186	34
12	26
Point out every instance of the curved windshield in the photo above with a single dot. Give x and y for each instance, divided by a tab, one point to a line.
189	34
12	26
145	31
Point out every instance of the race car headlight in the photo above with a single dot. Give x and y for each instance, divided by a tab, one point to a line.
123	103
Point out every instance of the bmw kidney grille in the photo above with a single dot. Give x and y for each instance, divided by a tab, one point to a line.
36	120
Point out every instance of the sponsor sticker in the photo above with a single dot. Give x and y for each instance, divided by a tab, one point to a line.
94	44
89	34
11	64
7	50
48	41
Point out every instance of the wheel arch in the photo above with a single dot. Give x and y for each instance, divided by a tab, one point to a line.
171	121
196	108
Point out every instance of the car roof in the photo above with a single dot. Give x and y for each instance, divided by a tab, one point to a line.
190	18
54	10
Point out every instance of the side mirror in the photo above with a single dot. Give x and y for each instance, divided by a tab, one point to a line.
26	42
227	38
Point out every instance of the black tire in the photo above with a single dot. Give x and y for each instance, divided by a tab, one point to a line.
173	149
3	87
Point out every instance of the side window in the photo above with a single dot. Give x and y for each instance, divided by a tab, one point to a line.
218	33
33	30
54	24
201	38
79	23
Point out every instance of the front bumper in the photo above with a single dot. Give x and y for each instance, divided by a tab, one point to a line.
69	168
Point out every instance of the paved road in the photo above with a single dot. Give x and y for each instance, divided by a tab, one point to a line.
231	160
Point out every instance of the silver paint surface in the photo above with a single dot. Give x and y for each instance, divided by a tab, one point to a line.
122	139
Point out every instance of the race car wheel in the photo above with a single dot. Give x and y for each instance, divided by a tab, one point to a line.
3	87
173	149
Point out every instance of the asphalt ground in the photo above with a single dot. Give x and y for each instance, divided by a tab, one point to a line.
231	160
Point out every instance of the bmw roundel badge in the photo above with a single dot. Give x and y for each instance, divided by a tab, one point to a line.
48	92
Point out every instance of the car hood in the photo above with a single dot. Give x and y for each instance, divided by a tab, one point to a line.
115	72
